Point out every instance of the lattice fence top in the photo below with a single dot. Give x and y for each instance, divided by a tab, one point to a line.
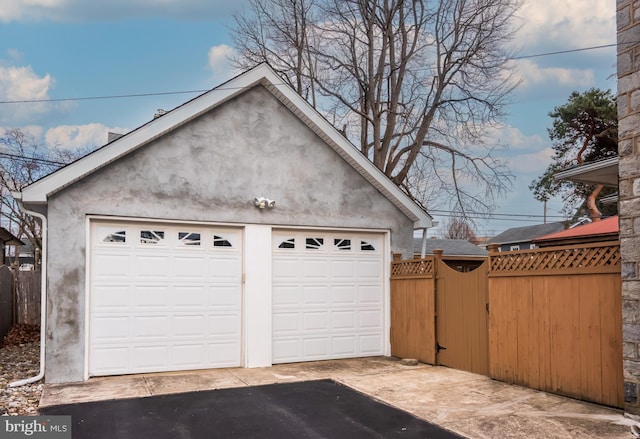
414	267
588	258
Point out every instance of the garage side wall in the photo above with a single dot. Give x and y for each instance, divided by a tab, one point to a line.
210	169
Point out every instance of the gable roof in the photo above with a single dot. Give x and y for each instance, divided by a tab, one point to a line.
8	238
39	191
525	234
449	247
607	226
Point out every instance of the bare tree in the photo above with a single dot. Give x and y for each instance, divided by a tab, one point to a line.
278	32
23	160
459	228
417	83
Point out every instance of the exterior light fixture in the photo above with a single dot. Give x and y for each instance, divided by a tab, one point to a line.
262	203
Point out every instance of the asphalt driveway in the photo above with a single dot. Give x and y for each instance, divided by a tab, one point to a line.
310	409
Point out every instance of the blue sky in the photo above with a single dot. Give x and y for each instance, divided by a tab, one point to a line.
56	49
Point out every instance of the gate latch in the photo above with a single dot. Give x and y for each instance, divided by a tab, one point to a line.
439	348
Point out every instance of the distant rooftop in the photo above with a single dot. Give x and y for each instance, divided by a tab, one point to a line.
607	226
526	234
449	247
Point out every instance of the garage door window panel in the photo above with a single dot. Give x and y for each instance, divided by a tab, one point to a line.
189	239
152	237
342	244
114	236
314	243
220	241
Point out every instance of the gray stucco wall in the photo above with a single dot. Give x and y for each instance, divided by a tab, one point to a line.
208	170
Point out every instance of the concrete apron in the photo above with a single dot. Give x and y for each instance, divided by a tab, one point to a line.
468	404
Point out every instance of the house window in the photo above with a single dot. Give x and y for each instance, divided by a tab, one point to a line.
219	241
288	243
366	247
120	236
515	247
533	246
342	244
314	243
188	238
151	236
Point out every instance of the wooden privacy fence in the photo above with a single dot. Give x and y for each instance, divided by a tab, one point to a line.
413	310
19	298
549	319
556	320
6	300
438	314
27	302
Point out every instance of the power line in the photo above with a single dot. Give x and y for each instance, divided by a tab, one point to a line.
88	98
487	215
138	95
30	159
560	52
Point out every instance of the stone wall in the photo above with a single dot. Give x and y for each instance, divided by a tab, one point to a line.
628	22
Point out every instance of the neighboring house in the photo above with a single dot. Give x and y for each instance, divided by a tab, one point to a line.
604	172
598	231
26	255
240	229
521	238
459	254
8	239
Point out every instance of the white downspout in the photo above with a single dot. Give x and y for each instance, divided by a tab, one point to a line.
43	297
423	251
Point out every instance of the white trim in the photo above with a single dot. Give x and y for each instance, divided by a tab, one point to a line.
39	191
258	296
95	217
600	172
87	295
387	257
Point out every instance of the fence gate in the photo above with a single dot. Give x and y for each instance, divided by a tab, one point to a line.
462	310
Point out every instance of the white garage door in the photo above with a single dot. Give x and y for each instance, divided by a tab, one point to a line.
164	297
327	295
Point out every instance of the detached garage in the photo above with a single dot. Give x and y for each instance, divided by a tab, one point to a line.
237	230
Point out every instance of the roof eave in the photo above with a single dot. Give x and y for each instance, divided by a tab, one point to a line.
601	172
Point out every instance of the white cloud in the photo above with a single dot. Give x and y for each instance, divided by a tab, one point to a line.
21	83
567	24
219	59
514	139
77	10
534	163
80	136
529	75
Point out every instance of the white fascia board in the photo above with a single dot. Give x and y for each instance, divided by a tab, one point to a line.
39	191
600	172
